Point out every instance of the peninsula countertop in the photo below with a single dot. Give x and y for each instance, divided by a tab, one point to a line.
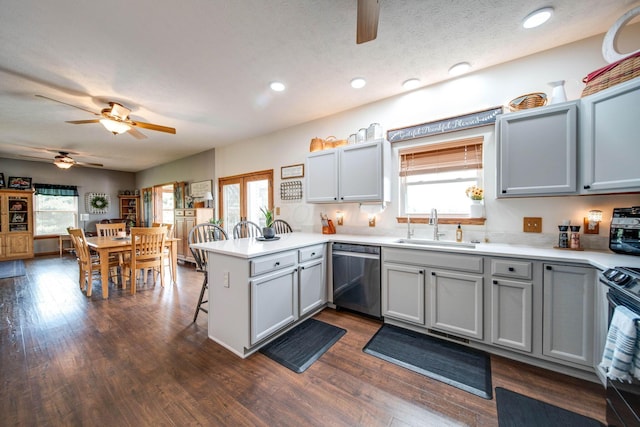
251	247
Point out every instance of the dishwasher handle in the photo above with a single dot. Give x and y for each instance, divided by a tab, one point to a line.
356	255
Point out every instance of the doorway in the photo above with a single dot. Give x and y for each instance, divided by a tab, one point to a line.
163	203
241	197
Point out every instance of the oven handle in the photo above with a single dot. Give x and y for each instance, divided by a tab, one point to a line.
612	301
356	255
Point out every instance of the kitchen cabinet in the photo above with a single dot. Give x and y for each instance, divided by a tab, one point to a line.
609	129
130	210
351	173
184	221
456	303
568	307
403	296
512	304
311	279
537	151
274	294
16	224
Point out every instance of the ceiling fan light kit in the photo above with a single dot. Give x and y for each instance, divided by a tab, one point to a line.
115	127
62	163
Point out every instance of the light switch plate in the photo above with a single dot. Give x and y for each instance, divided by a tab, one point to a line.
532	224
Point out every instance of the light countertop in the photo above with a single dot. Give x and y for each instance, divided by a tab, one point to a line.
250	248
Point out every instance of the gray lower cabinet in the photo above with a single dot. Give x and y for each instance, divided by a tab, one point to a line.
311	279
456	303
512	304
274	302
568	320
403	295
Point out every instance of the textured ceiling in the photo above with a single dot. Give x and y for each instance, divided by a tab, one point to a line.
203	66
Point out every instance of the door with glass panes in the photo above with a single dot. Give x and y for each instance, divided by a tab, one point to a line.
242	196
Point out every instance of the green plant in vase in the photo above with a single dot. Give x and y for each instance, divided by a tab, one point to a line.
267	231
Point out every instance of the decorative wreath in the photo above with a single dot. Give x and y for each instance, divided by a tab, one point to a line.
98	203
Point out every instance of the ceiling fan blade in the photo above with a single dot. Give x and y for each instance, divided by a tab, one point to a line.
82	122
151	126
42	159
136	133
70	105
368	13
97	165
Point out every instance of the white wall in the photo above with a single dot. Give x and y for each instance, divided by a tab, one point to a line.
199	167
474	92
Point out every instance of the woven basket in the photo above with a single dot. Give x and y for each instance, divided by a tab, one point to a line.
317	144
617	72
530	100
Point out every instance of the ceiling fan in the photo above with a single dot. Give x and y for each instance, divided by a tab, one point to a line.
116	120
64	161
368	14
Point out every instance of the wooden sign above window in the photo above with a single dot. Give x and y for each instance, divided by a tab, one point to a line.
451	124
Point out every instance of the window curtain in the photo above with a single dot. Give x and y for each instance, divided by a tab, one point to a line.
56	190
448	156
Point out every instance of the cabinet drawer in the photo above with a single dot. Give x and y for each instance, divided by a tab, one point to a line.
178	212
510	268
311	252
272	262
429	258
189	213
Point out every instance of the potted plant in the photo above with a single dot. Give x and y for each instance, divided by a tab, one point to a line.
268	231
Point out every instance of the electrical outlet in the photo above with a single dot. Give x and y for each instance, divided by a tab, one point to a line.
532	224
278	210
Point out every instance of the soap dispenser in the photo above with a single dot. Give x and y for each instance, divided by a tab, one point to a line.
459	234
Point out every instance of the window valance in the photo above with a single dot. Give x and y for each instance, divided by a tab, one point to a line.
56	190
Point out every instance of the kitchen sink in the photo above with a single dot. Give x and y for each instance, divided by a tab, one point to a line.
441	243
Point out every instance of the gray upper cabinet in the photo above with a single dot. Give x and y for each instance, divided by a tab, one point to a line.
537	151
609	132
351	173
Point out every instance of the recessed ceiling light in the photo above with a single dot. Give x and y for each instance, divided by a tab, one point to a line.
277	86
537	18
411	84
460	68
358	83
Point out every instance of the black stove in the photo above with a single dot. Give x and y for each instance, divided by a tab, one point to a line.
623	399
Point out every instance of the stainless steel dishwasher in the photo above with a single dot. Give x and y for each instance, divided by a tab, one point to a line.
356	278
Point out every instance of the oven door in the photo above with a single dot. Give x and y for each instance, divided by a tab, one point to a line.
623	399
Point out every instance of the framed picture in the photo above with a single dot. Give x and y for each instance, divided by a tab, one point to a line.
2	184
19	183
200	189
293	171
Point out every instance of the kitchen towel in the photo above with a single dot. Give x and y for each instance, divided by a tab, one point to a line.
620	354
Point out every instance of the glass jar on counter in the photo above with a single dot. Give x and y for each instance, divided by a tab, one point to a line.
361	136
352	139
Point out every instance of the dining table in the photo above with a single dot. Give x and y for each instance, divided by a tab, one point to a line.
107	245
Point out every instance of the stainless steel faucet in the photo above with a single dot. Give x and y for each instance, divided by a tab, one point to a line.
409	230
433	220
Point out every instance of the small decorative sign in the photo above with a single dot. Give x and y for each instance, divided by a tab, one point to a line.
293	171
451	124
200	189
291	190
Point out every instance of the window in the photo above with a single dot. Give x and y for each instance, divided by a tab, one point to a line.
242	196
56	208
437	175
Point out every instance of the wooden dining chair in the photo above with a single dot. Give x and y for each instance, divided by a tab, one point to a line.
111	230
281	226
147	251
87	264
246	229
201	233
169	227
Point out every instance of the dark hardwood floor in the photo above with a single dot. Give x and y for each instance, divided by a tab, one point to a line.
66	359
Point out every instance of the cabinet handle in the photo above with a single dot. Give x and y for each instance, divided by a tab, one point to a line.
548	267
301	268
335	198
433	273
512	269
276	264
313	254
504	191
586	187
420	271
495	282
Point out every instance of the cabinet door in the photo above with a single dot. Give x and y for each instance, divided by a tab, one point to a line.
609	139
274	302
19	245
403	293
322	176
179	234
456	303
568	311
537	151
189	223
361	172
312	286
511	314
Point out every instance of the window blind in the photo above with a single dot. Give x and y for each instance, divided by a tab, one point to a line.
442	157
